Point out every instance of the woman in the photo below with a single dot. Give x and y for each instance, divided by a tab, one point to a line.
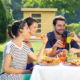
33	25
16	52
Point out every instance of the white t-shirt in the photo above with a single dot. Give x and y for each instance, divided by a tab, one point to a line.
19	59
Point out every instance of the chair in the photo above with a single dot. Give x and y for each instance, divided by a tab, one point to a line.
26	77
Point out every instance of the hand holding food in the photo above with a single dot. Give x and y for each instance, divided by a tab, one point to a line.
40	35
45	39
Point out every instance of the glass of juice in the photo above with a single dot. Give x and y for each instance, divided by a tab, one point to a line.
68	39
64	42
62	57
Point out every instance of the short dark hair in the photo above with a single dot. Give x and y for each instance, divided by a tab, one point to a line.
58	18
30	21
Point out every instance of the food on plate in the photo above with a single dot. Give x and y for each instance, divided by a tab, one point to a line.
76	62
40	35
49	61
69	63
56	60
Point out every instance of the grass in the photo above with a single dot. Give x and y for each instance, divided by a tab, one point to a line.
36	46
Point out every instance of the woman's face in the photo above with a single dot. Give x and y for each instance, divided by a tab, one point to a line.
26	32
33	28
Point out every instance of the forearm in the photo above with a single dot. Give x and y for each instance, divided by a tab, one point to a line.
78	51
78	40
78	54
52	52
47	51
41	52
16	71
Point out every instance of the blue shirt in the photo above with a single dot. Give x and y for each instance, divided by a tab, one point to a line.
52	41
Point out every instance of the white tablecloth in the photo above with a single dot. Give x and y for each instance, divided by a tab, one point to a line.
59	72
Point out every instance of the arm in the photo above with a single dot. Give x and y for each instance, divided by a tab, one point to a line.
51	51
76	46
74	50
38	57
8	69
75	38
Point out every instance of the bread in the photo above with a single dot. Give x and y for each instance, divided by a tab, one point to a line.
40	35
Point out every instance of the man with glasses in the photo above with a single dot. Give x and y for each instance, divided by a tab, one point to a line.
58	33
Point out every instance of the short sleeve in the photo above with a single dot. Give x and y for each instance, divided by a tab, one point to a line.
7	50
10	49
32	49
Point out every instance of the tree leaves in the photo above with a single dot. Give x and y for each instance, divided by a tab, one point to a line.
68	6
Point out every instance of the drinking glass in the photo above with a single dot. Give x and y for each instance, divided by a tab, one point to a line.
63	58
68	39
64	42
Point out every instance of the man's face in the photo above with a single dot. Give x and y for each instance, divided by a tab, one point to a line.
59	27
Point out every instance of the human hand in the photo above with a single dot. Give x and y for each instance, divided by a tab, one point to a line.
45	39
73	50
40	35
75	38
58	43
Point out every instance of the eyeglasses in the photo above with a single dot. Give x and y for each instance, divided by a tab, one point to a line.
21	24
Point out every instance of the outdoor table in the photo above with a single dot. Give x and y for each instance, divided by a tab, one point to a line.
58	72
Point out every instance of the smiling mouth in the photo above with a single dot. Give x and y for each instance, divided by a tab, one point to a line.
61	30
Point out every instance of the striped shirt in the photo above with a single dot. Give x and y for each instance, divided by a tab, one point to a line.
19	59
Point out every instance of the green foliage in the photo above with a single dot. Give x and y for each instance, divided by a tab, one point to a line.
68	6
69	28
16	7
8	9
4	21
76	27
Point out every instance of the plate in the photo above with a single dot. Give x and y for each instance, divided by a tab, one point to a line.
70	64
48	64
49	61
